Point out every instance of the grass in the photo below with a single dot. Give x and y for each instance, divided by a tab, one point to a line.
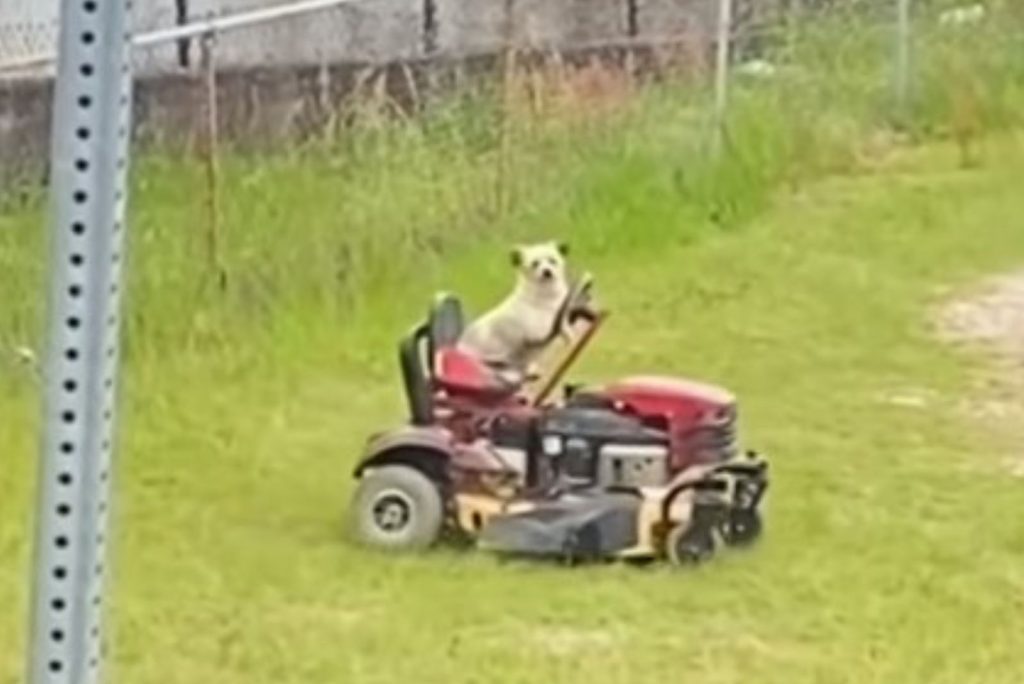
896	540
895	546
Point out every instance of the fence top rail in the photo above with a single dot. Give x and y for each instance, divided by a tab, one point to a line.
210	26
216	25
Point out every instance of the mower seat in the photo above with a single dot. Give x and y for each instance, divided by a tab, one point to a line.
456	372
461	374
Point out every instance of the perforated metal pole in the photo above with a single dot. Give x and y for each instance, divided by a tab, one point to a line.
91	128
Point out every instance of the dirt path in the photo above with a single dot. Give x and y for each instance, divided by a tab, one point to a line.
991	318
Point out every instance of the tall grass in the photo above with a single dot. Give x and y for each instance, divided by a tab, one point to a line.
371	217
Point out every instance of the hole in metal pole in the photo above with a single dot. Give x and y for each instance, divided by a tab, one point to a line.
71	354
68	417
64	478
58	604
63	510
61	542
86	70
77	259
75	291
78	228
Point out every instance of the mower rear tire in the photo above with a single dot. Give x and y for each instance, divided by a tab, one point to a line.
397	508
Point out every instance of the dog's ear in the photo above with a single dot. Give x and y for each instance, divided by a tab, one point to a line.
516	256
563	248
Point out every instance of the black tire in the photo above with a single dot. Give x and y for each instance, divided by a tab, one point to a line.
690	543
742	527
397	508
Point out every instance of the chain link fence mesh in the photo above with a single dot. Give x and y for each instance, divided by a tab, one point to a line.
292	78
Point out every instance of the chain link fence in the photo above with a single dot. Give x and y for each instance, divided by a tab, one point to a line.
291	79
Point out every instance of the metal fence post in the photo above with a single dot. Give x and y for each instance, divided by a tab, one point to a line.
723	48
89	155
902	80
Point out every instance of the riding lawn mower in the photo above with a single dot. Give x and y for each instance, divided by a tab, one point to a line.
643	468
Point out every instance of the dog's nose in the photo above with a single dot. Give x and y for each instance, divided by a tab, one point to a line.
547	274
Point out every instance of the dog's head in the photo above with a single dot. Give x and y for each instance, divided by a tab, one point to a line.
542	263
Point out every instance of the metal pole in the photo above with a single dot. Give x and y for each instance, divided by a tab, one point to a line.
723	39
902	57
237	21
89	155
210	158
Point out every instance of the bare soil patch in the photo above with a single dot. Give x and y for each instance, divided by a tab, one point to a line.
990	318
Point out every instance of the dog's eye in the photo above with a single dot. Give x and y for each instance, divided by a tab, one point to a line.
534	264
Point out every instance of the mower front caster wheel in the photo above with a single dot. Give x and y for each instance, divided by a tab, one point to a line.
690	544
397	508
742	527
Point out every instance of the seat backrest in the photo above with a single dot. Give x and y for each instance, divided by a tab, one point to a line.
418	355
418	392
446	323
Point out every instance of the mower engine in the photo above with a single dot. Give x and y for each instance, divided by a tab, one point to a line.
593	447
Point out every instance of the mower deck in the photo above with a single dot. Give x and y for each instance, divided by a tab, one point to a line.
592	526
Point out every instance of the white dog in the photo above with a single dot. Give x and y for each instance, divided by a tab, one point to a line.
511	336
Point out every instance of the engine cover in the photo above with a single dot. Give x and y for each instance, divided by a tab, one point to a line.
632	465
587	447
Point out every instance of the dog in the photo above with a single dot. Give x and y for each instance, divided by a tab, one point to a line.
511	337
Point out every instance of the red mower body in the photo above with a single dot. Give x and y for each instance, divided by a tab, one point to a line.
676	401
639	467
699	419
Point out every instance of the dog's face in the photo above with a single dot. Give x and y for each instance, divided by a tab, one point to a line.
543	264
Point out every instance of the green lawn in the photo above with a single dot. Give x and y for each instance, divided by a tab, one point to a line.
895	546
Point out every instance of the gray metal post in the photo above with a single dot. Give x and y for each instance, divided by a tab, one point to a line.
91	130
902	80
723	45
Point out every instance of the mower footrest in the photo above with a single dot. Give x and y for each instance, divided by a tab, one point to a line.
589	527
